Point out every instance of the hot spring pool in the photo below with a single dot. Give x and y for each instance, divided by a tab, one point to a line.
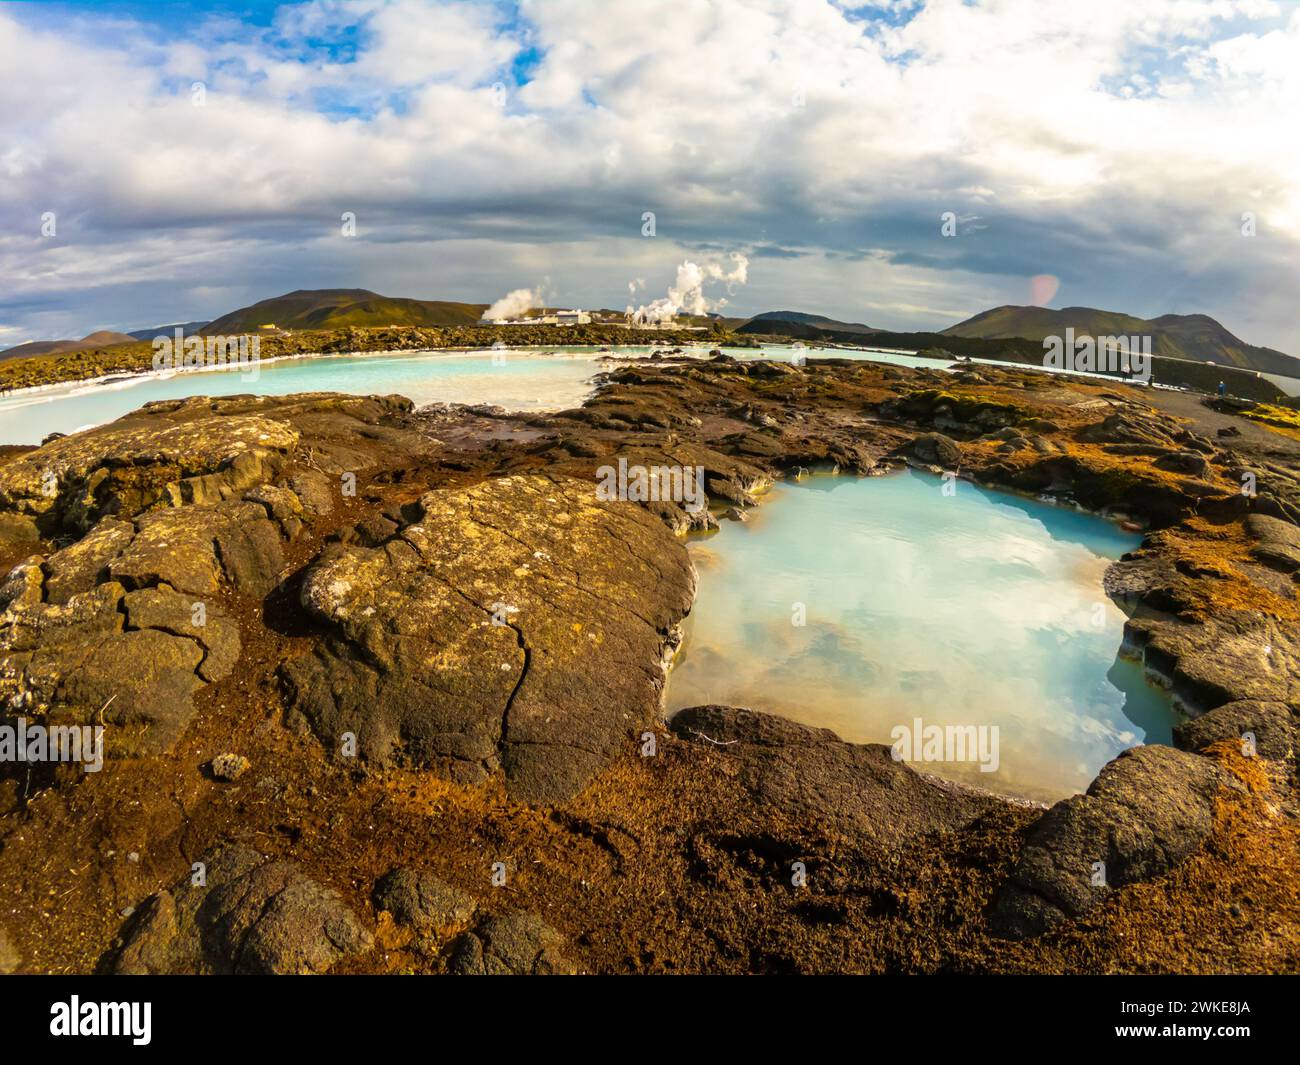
862	605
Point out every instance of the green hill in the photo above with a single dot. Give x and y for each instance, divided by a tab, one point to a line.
338	308
102	339
1195	337
819	321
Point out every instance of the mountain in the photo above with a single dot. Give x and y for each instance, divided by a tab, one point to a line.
167	330
337	308
1195	337
818	320
102	339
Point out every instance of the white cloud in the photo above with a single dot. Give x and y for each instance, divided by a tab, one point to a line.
1113	144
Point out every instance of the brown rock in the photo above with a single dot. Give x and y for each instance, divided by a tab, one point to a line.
520	623
1147	810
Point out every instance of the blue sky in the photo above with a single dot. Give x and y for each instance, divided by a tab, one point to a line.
198	157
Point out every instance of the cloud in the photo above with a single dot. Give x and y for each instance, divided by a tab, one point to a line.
1111	145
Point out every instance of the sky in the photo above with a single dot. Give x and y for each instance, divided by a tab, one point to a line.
903	164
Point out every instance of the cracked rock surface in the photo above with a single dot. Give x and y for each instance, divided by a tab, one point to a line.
518	623
155	520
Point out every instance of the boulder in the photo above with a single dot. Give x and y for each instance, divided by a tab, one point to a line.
139	461
519	944
1277	542
938	450
251	915
1147	810
812	776
1272	725
519	623
424	902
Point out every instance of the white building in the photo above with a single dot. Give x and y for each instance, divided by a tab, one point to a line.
558	318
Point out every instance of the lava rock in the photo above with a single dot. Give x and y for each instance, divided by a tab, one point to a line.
519	623
80	566
1147	810
253	915
1188	462
813	776
420	900
229	766
1209	663
1277	542
138	461
17	530
314	491
206	623
80	661
937	449
1271	724
518	944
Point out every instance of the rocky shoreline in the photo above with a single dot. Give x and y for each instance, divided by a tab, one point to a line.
442	658
124	360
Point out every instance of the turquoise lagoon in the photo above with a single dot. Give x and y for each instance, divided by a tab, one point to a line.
535	379
975	608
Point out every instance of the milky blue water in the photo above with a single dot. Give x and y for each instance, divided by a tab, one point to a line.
519	382
974	609
971	609
519	379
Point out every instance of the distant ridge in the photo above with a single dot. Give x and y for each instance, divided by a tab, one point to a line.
167	330
338	308
818	320
1196	337
101	339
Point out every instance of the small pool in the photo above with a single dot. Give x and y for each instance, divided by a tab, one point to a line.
890	610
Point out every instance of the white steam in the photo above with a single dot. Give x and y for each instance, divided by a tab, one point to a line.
515	303
686	294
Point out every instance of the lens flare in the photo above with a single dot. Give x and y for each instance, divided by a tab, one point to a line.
1042	288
